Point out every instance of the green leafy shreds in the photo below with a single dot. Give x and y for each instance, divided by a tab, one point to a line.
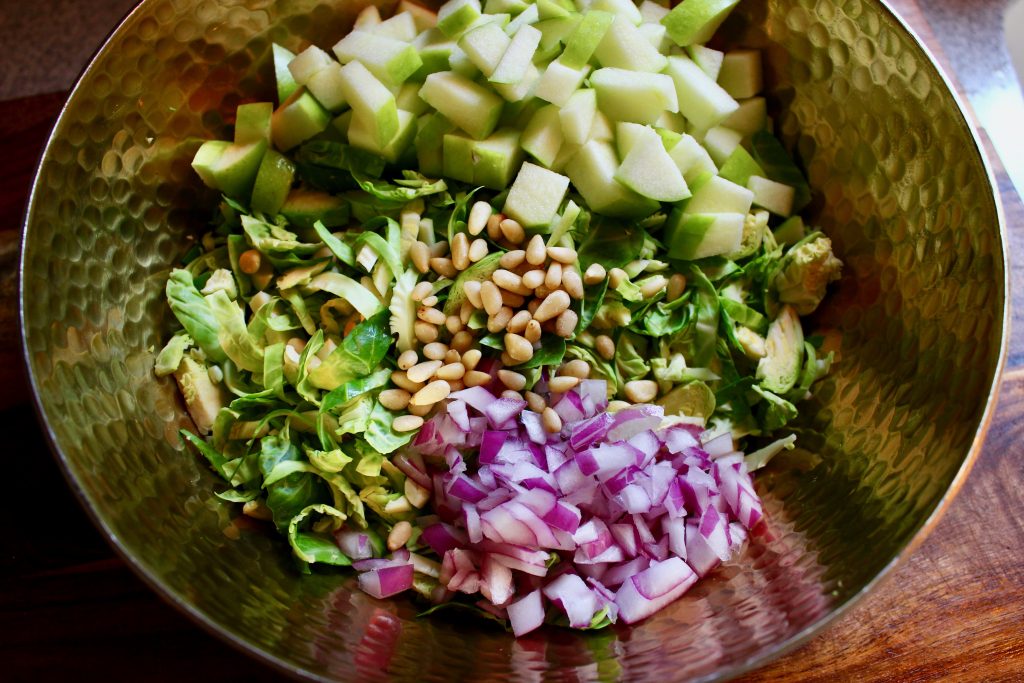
169	358
411	186
362	299
317	547
345	393
551	352
194	313
359	354
329	165
769	153
403	310
611	244
271	239
354	418
234	337
382	248
287	496
379	431
459	213
342	251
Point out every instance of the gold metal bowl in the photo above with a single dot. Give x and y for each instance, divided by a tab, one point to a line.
899	183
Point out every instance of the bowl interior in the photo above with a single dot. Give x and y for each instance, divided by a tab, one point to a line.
899	185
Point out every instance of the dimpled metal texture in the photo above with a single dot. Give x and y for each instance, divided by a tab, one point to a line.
899	185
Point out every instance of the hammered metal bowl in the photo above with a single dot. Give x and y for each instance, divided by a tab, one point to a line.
899	184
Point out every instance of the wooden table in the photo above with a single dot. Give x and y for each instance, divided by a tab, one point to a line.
68	607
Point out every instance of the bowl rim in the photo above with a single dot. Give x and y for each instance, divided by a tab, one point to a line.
177	600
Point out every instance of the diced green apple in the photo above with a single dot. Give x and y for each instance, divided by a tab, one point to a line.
652	12
485	46
751	116
626	135
585	39
303	208
689	236
468	105
673	121
695	21
408	98
528	16
739	167
565	155
273	183
648	170
592	171
555	32
228	167
504	6
691	159
371	101
325	86
601	129
635	96
543	136
307	63
718	195
423	17
367	17
669	138
455	16
535	195
625	47
559	82
363	133
299	118
623	8
768	194
252	122
655	35
391	61
549	9
577	116
790	232
709	60
430	143
462	64
721	142
340	124
741	74
518	57
286	84
490	162
702	101
516	92
401	26
435	52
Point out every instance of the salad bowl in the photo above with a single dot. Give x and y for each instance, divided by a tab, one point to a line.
900	185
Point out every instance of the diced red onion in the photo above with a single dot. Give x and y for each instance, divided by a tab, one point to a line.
634	605
476	397
534	427
503	411
526	614
720	445
458	413
355	544
571	594
387	581
443	537
496	581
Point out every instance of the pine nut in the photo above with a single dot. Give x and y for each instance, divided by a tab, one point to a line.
401	532
249	262
518	348
499	321
616	406
554	276
443	267
453	323
490	296
434	351
421	372
653	286
511	299
533	305
676	287
535	252
478	216
416	494
507	280
573	283
462	341
404	423
472	291
512	231
507	360
452	356
512	380
298	344
456	385
430	301
535	402
494	226
425	332
257	509
519	322
439	249
616	276
475	378
430	315
400	379
470	358
512	259
552	306
422	289
641	390
533	279
419	253
452	371
560	385
510	394
408	359
551	421
543	291
420	411
460	251
576	368
477	250
562	255
394	399
532	332
437	390
605	346
595	274
565	324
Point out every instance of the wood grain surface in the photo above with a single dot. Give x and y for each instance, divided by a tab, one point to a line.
954	610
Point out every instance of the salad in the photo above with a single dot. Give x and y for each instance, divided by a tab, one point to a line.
495	301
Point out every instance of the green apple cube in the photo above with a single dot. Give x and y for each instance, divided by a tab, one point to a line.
669	138
273	183
435	52
391	61
652	12
768	194
790	232
340	124
485	46
741	74
702	101
299	118
504	6
303	208
470	106
371	101
518	114
671	120
584	40
624	8
307	63
401	26
592	171
516	92
429	142
549	9
535	196
252	122
496	158
648	170
602	129
625	47
367	17
455	16
690	236
628	134
720	142
634	96
461	64
751	116
543	136
565	155
559	82
577	116
423	17
695	21
408	98
363	133
228	167
739	167
458	156
528	16
709	60
286	84
718	195
691	159
518	56
655	35
325	86
555	32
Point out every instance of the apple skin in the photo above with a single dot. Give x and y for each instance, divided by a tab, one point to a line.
252	122
303	208
299	118
695	21
585	39
535	195
286	84
273	183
